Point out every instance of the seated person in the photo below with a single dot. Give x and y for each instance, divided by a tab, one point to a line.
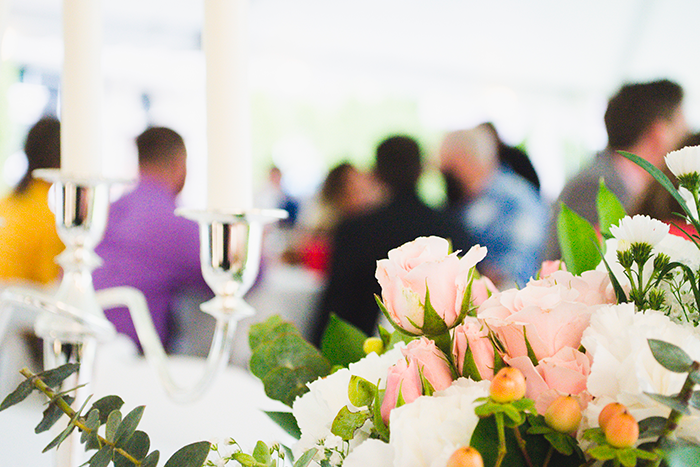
146	245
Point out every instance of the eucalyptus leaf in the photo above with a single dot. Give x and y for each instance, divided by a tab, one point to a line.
113	421
60	438
286	384
610	209
137	447
288	350
23	391
346	423
306	458
52	414
102	457
192	455
151	460
287	422
670	356
342	342
578	241
670	401
268	330
651	427
128	426
106	405
89	436
55	376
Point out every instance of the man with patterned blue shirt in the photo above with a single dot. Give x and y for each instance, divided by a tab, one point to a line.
499	209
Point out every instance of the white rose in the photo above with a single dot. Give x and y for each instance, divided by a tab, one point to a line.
427	431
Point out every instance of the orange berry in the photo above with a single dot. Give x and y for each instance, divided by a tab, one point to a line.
564	414
465	456
608	411
508	385
622	430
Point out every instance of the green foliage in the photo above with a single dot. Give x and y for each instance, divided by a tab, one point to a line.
342	342
287	422
670	356
561	442
346	422
610	209
192	455
283	360
603	451
578	241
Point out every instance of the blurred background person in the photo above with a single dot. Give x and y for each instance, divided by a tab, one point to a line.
148	247
360	241
645	119
498	208
29	243
345	192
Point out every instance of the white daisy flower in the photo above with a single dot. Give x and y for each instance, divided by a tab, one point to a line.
639	229
684	161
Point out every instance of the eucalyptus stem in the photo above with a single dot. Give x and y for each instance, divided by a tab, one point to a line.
684	397
57	400
500	428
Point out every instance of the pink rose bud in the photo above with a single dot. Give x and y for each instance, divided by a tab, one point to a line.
548	267
422	357
473	346
420	270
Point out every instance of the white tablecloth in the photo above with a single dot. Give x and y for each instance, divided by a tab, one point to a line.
232	408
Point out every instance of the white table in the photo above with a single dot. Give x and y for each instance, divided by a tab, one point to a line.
232	408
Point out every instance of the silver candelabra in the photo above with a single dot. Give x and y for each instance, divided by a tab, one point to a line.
72	322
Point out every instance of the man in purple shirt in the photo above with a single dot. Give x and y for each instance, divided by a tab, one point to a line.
146	245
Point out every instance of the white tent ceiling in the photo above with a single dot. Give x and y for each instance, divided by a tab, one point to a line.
453	51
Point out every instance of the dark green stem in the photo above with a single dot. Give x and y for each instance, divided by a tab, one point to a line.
79	422
523	448
684	397
548	457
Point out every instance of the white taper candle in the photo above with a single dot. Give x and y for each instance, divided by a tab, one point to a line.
225	41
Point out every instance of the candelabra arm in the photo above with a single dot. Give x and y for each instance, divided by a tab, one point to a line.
218	356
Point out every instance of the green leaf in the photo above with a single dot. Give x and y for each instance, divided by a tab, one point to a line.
670	401
670	356
113	421
268	330
661	177
530	352
287	421
627	457
651	427
342	342
306	458
563	443
684	456
261	453
244	459
56	376
106	405
610	209
346	422
137	446
379	425
151	460
51	415
603	452
128	426
469	368
60	438
288	350
433	323
192	455
89	436
286	384
360	391
578	241
102	457
18	395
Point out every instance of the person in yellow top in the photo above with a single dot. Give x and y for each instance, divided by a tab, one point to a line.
28	239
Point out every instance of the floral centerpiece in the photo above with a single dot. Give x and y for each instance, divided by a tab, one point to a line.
594	361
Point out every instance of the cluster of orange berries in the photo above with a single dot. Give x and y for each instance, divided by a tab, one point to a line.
563	415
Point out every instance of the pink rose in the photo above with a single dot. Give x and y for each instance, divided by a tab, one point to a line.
549	267
553	312
482	289
565	373
472	336
418	267
421	356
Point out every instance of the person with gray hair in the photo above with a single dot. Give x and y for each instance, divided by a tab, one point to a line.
498	208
